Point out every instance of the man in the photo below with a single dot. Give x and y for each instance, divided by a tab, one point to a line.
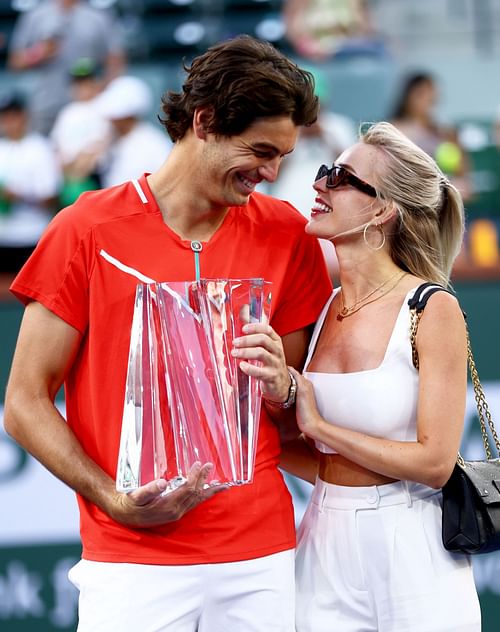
30	180
50	38
172	562
137	145
81	134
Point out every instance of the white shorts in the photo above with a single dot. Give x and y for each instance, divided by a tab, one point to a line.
371	559
250	596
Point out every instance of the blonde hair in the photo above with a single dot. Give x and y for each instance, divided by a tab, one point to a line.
430	225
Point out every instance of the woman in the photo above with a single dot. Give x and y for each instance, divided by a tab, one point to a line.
414	115
369	552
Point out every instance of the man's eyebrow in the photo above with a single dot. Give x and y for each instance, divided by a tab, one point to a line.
263	146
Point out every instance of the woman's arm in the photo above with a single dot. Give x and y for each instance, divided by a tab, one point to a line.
441	345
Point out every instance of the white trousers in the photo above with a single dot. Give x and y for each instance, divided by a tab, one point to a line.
250	596
371	559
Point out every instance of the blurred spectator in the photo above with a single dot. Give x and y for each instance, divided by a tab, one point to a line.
29	183
318	144
81	134
318	29
414	114
137	146
50	38
496	129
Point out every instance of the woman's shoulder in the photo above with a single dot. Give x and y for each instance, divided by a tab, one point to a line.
437	293
442	312
441	303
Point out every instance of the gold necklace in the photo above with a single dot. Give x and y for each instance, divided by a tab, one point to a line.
345	311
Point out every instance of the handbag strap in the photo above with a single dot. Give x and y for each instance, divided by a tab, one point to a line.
417	304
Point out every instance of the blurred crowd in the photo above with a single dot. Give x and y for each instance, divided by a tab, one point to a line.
468	154
83	126
87	124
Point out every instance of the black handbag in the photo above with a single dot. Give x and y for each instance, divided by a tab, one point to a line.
471	497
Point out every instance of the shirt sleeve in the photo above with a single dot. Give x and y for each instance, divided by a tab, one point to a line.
24	33
57	274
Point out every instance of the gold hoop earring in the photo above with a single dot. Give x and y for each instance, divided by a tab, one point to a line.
378	227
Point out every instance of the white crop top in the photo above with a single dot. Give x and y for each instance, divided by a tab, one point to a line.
380	402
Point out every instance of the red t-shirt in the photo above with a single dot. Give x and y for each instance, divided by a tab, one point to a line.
82	270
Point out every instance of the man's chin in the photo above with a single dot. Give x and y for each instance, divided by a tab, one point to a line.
240	199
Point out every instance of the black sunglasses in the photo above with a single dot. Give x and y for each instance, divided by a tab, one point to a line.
338	176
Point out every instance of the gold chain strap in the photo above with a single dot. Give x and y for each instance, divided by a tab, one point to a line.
414	320
483	410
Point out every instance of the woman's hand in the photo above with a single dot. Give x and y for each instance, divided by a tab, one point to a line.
306	410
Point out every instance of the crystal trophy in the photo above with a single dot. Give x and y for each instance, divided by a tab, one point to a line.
186	399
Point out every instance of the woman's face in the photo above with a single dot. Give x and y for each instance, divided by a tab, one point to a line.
346	209
422	99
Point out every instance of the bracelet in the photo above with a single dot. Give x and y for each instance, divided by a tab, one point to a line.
292	392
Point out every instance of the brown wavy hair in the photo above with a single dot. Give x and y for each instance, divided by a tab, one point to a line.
239	81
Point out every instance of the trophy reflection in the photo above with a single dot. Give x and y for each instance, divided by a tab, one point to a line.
186	400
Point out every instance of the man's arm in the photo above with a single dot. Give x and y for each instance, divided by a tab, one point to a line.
298	455
300	458
265	356
45	350
30	47
32	56
270	355
295	347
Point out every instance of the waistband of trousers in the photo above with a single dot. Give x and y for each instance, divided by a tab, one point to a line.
329	496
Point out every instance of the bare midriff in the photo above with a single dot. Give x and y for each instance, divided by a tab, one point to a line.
336	469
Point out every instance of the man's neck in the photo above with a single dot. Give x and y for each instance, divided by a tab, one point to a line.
189	216
201	229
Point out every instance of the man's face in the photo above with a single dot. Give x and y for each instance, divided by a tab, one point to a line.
13	124
233	166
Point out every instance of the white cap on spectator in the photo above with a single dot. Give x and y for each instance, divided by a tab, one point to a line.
124	97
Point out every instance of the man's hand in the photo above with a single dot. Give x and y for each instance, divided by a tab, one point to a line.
148	506
262	356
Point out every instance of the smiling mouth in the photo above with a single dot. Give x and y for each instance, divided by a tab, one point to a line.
249	184
321	207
